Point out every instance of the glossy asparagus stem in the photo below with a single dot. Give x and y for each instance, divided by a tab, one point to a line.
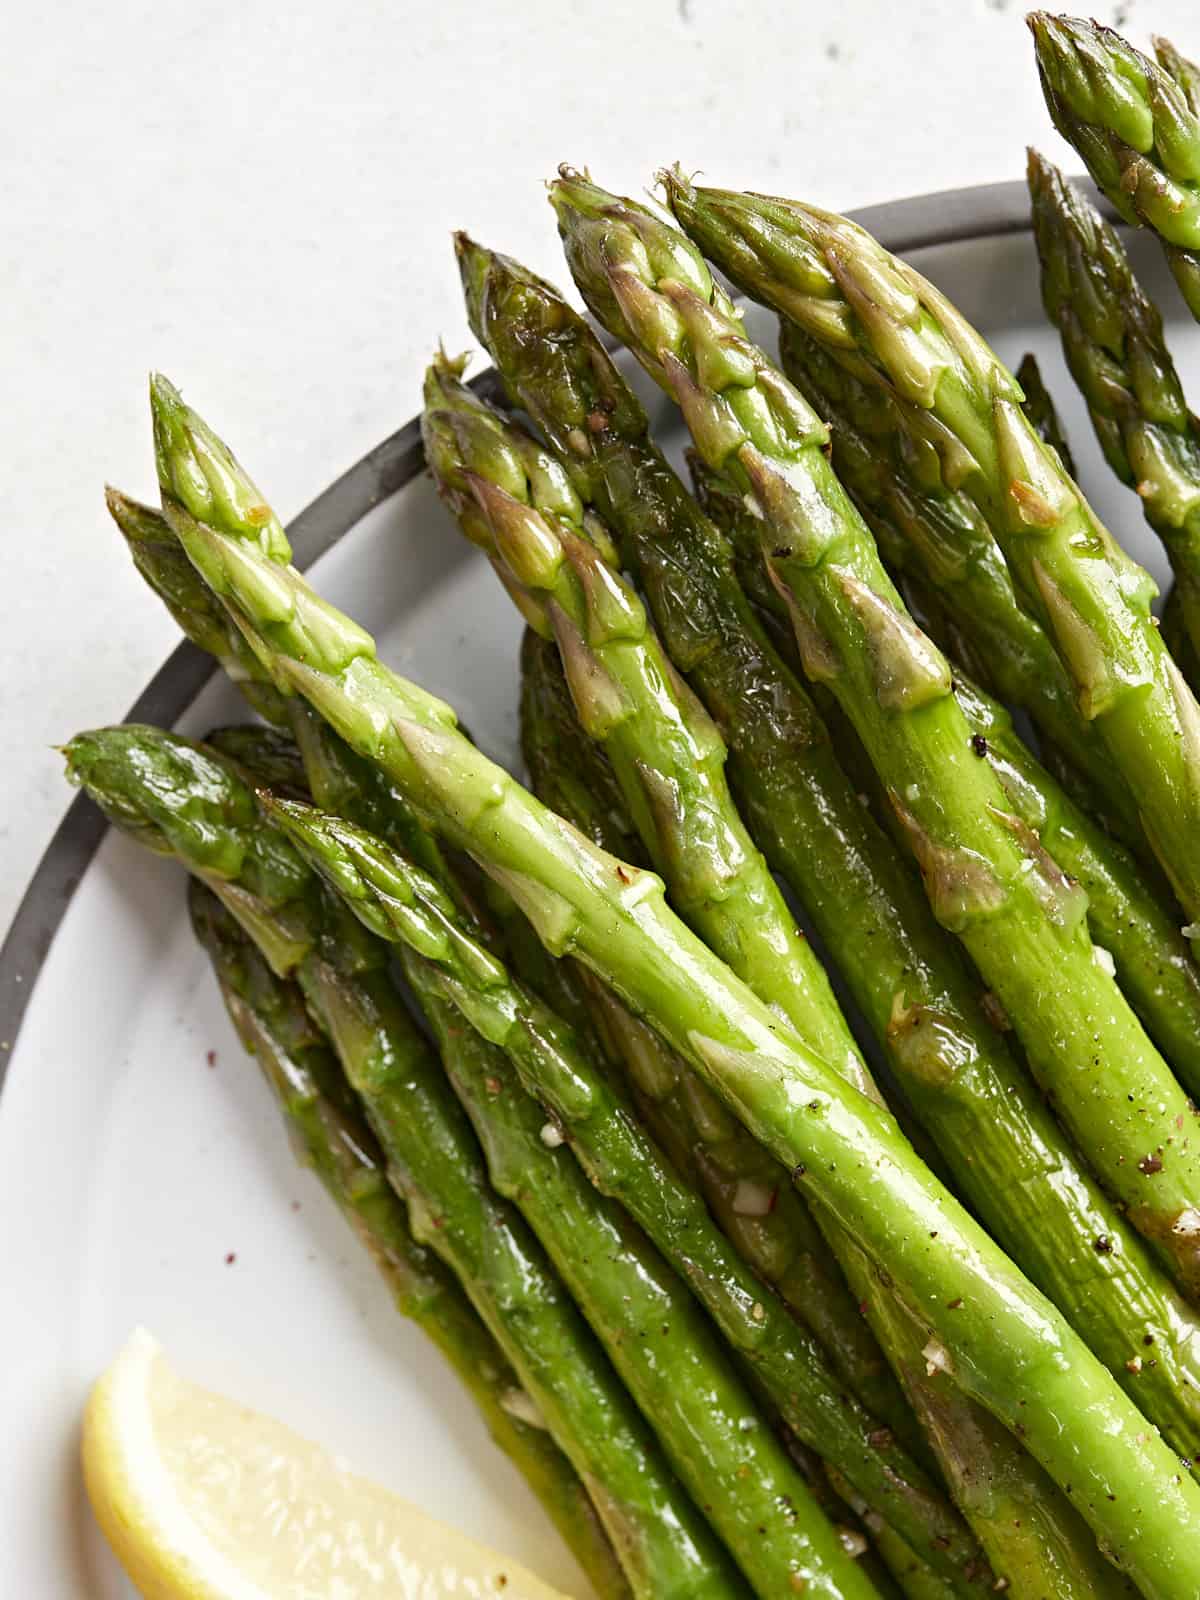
335	777
877	314
746	1188
716	1436
1131	914
180	800
1005	1151
1112	336
514	498
270	753
269	1016
941	534
158	558
1010	1349
520	1140
986	874
397	901
1136	123
1026	1527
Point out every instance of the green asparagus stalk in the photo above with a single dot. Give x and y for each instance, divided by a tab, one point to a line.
346	785
397	901
945	538
269	1016
1112	337
343	782
1006	1154
1136	124
1026	1527
160	561
885	319
1038	405
1130	914
1130	925
745	1187
508	509
986	874
179	800
717	1438
513	498
989	1330
335	776
268	751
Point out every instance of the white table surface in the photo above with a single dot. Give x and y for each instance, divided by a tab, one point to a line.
257	200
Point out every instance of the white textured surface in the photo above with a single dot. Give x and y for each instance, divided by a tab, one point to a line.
257	198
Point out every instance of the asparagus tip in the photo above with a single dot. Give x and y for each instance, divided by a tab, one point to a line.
677	186
138	522
164	396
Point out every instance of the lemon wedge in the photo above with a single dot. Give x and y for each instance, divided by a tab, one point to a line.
202	1499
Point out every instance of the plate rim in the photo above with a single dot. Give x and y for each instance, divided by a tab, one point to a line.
922	221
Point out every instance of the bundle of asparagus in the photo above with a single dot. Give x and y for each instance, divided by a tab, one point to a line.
750	1316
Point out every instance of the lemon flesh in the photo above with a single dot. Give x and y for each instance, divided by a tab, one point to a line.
202	1499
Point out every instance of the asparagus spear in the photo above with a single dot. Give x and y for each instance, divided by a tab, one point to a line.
1024	1524
1112	337
1135	122
658	1338
179	800
346	785
886	320
514	498
269	752
1130	915
732	1463
269	1016
160	561
746	1189
397	901
468	443
946	538
1038	406
1006	1154
812	1286
988	1328
986	874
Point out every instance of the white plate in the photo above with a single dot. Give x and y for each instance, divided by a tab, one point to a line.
139	1183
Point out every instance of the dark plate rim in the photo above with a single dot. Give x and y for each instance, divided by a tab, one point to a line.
950	216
